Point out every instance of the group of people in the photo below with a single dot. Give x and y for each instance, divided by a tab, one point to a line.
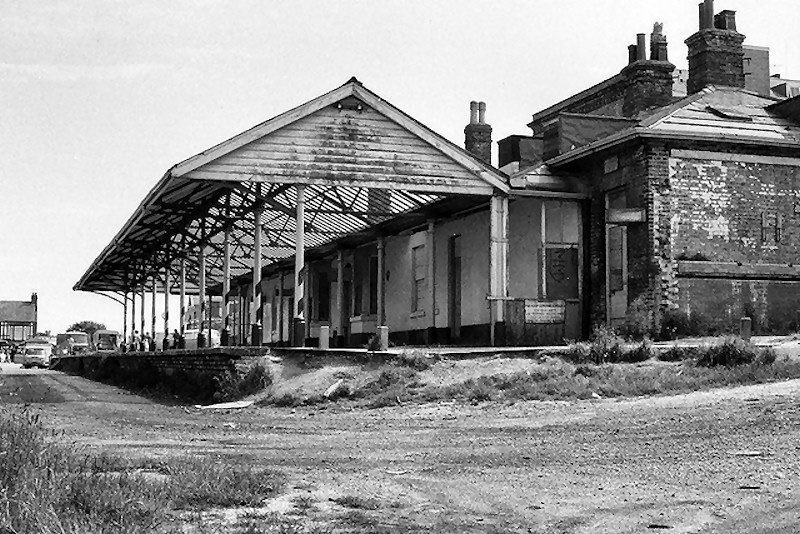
146	342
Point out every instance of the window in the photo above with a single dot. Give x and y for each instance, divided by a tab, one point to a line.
419	266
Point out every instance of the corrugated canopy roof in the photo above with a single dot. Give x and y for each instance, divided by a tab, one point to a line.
362	160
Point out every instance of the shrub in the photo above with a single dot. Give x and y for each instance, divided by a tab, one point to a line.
640	353
638	321
733	351
606	346
415	359
238	384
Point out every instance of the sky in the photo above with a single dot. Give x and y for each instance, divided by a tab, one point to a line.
101	97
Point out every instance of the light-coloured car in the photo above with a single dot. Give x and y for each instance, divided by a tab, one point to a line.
35	354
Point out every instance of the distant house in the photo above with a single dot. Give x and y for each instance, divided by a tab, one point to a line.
18	319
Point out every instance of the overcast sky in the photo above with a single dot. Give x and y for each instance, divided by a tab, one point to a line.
100	98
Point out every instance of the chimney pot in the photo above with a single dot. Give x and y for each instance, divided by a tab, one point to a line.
641	47
708	15
481	112
473	112
631	54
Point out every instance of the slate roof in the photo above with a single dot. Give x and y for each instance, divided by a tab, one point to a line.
718	114
17	311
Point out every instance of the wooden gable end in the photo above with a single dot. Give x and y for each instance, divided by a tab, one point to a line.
349	144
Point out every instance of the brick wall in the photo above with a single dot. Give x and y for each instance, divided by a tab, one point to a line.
744	209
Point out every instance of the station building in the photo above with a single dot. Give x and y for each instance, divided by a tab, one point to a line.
345	214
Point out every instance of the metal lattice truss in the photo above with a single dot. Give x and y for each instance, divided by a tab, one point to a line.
379	167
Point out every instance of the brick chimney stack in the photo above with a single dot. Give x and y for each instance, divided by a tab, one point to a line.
716	55
478	134
648	81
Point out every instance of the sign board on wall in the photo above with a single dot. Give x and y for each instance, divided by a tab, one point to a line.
545	312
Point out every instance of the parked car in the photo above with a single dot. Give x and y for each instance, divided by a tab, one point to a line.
35	353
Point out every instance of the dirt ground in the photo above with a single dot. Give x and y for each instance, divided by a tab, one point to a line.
723	461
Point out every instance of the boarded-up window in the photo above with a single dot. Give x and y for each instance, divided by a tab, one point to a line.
419	264
561	268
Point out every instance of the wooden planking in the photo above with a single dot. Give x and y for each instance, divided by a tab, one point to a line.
321	147
421	184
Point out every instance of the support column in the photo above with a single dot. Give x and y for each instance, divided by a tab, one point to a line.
431	276
340	304
153	314
201	340
182	305
133	317
141	332
124	340
381	281
498	267
299	268
255	309
281	318
166	344
226	287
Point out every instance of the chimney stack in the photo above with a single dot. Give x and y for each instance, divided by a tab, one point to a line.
716	54
478	134
648	82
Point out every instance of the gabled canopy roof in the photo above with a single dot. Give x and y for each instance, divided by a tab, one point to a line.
363	161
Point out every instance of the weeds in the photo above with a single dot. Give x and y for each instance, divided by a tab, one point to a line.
734	351
354	501
46	486
238	384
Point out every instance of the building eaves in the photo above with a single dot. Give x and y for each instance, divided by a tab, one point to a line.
556	108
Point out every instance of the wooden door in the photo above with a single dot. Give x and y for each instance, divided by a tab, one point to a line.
616	274
454	296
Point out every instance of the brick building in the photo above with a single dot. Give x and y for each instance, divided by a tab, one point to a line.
694	208
630	203
18	318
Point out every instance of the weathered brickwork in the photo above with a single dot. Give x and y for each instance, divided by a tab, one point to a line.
737	211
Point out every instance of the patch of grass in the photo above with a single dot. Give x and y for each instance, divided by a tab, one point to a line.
304	503
416	359
354	501
734	351
238	384
394	385
605	346
48	486
200	483
561	380
679	354
272	523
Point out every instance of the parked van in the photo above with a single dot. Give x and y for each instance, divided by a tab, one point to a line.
35	353
71	343
105	340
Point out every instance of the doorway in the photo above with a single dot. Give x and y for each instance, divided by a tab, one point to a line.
454	289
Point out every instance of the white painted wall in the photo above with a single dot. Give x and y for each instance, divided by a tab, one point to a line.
524	247
474	232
